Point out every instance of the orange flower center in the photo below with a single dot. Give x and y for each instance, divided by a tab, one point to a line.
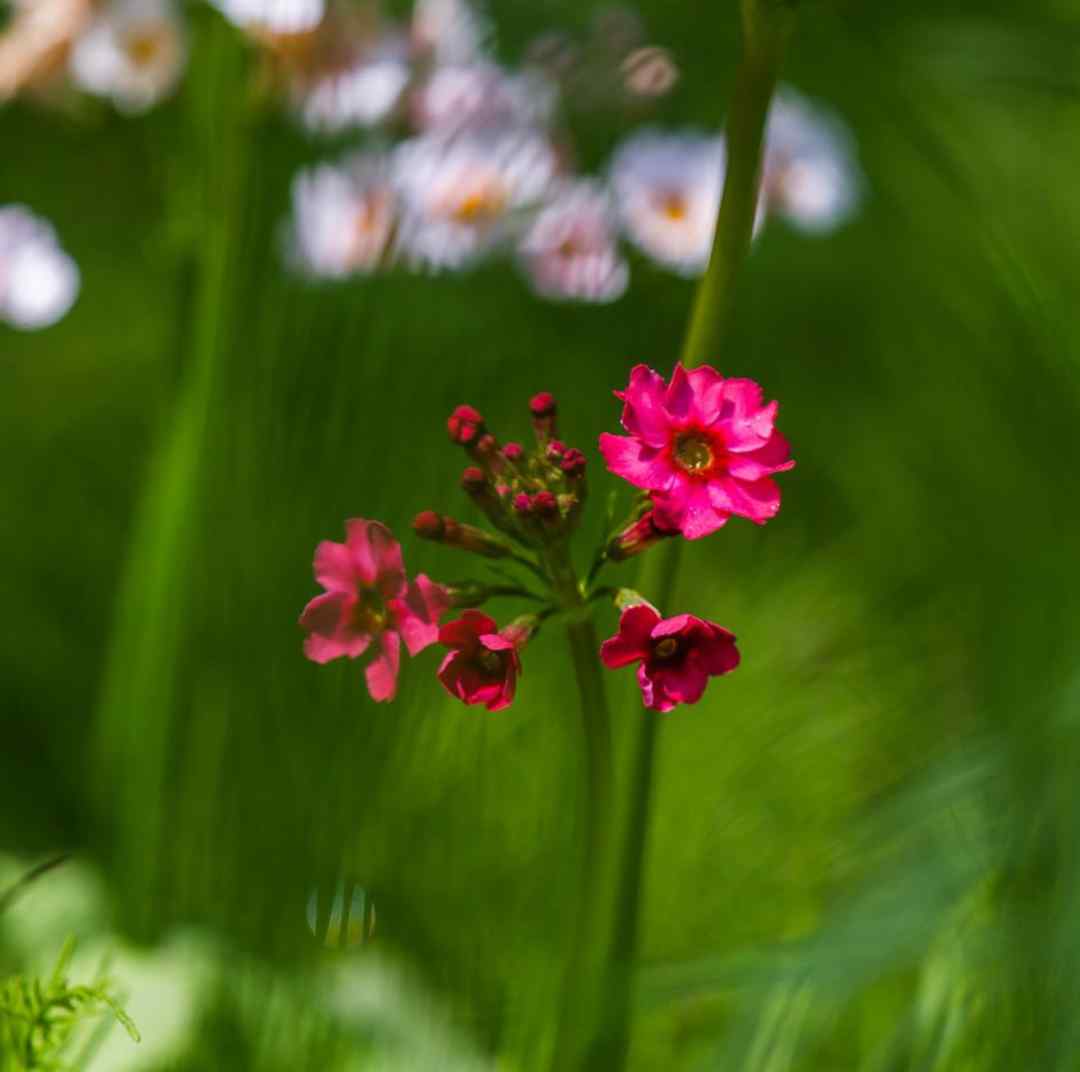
480	205
693	453
145	46
673	206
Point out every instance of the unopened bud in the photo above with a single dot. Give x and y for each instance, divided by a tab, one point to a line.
465	425
627	597
555	450
543	410
545	505
573	463
520	631
513	452
473	480
428	525
522	504
639	536
452	533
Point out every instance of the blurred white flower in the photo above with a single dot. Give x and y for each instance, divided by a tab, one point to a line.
448	31
38	280
463	195
132	53
362	93
570	251
667	190
809	174
343	217
273	16
482	94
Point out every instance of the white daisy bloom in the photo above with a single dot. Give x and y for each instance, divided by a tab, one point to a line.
133	53
363	93
38	280
343	217
278	17
462	195
449	31
667	190
809	174
482	94
570	251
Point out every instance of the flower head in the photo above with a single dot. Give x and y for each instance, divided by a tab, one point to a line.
362	93
133	53
809	174
277	17
461	193
675	656
481	94
343	217
38	280
704	446
483	664
667	191
367	598
570	251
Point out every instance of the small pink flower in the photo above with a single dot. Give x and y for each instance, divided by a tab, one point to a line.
483	664
703	445
368	598
677	655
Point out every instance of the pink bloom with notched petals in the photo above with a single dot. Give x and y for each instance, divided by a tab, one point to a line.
676	656
703	445
368	599
483	664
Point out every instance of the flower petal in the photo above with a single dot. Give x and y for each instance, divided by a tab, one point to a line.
335	568
694	515
754	464
643	414
631	642
463	632
758	500
382	672
717	654
386	555
356	538
417	612
641	465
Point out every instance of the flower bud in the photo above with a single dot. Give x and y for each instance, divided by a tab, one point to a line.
520	631
473	480
573	463
523	505
638	536
428	525
555	450
446	530
513	452
543	410
465	425
546	507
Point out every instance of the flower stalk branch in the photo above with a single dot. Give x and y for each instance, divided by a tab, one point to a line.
767	28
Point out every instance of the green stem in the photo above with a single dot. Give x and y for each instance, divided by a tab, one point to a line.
767	26
583	1010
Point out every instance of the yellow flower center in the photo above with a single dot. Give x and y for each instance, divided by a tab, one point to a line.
664	649
369	614
693	453
490	663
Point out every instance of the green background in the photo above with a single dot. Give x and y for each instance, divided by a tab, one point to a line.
863	851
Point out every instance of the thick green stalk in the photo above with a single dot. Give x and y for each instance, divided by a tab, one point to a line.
767	26
583	998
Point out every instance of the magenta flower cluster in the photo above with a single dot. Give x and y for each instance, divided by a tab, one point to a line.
699	449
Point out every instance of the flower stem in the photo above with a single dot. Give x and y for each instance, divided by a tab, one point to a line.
583	1011
767	27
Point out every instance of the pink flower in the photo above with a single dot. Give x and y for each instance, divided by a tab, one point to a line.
704	446
677	655
482	665
368	598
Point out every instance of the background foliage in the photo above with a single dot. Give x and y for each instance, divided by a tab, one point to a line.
863	851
